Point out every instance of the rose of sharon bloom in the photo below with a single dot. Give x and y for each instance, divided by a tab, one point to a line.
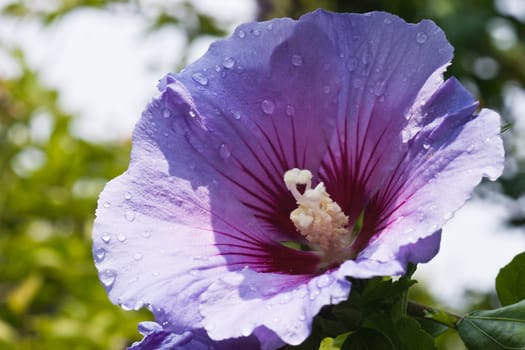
290	156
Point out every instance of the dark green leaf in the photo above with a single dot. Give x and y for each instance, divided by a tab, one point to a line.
510	283
367	339
500	329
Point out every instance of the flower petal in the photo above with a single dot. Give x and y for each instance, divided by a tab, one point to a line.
453	149
388	65
284	304
156	338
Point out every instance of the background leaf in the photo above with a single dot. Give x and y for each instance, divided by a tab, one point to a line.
500	329
510	283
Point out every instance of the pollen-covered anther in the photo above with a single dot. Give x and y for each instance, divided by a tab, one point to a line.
318	218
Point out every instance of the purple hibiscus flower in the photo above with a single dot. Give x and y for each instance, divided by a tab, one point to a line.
290	156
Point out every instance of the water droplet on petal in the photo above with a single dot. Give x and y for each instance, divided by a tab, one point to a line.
218	68
387	20
129	215
297	60
267	106
269	26
121	237
300	292
192	113
241	34
314	294
358	83
379	88
146	234
107	204
127	196
324	281
285	298
426	145
228	62
256	32
107	277
236	115
106	237
137	256
166	113
326	89
302	317
448	215
421	38
224	151
200	79
290	110
352	64
100	254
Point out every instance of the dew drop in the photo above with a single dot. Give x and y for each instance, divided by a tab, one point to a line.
421	38
106	237
129	215
224	151
297	60
302	317
241	34
121	237
200	79
228	62
146	234
366	58
326	89
426	145
236	115
300	293
256	32
387	20
269	26
314	294
324	281
217	68
379	88
107	277
267	107
137	256
192	113
358	83
470	148
127	196
352	64
100	254
166	113
285	298
290	110
107	204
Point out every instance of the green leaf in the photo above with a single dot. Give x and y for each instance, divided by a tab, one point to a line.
367	339
500	329
510	283
334	343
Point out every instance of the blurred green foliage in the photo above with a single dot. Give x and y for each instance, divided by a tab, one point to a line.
50	297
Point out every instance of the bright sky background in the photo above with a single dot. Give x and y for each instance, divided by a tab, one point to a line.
106	68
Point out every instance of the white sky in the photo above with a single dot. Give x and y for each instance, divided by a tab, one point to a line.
106	68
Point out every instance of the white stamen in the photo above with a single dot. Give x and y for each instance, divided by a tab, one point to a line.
317	216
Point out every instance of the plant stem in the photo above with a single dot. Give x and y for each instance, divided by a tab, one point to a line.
429	313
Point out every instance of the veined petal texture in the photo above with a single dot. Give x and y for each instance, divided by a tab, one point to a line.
198	229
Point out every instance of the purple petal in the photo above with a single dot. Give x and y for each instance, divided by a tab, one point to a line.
156	338
283	305
446	159
388	65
